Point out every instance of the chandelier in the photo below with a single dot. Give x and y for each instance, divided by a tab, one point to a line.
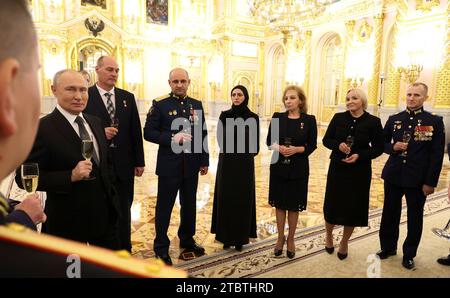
286	16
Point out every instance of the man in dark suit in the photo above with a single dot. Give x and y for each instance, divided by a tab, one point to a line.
414	140
77	209
182	154
126	150
19	107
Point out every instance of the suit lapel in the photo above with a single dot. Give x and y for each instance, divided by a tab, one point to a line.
99	105
98	134
66	131
119	99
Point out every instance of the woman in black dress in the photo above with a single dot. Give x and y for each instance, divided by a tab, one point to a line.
234	208
355	138
293	139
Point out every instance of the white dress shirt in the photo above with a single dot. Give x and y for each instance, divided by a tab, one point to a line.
71	118
105	99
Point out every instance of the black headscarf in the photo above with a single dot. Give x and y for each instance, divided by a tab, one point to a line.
240	110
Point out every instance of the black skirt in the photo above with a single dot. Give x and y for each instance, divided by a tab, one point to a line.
347	194
288	194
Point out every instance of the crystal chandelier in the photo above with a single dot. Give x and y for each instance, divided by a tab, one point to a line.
286	16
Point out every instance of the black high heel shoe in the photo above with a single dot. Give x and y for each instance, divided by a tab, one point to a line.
342	256
329	250
290	254
279	252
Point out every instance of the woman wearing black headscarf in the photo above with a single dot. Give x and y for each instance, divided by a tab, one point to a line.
234	209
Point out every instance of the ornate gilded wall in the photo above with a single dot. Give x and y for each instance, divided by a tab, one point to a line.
220	44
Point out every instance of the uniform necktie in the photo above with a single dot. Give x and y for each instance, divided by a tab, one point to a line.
84	135
109	105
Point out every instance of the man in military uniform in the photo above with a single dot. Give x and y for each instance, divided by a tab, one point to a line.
414	140
19	106
173	121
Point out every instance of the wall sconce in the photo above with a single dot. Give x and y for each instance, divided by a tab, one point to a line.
411	72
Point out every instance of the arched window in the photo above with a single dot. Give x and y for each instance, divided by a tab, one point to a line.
332	67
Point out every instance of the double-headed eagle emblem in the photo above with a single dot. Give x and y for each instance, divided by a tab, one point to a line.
94	25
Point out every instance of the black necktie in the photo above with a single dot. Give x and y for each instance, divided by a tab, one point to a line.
84	135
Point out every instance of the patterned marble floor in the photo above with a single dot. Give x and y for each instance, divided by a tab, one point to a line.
143	210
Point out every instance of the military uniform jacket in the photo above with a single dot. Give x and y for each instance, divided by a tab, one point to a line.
158	129
423	161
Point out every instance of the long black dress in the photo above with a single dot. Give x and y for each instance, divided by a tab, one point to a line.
348	185
288	185
234	209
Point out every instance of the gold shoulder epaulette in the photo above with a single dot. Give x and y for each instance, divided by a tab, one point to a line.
162	97
100	261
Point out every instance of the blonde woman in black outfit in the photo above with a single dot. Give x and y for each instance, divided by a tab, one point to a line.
355	138
292	143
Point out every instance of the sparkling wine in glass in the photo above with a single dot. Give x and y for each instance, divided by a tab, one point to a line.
287	143
349	142
30	176
405	139
87	150
115	124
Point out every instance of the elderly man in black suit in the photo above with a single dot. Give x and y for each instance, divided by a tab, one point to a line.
77	209
126	150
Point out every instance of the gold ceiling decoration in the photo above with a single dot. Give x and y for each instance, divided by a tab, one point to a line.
286	16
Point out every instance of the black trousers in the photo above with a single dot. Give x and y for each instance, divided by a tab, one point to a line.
125	189
390	220
168	188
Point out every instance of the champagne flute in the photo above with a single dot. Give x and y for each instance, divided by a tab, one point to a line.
87	150
30	176
115	124
287	144
405	139
349	142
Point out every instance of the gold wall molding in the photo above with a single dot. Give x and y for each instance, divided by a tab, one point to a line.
373	84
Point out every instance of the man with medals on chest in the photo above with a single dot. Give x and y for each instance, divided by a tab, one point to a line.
414	140
176	123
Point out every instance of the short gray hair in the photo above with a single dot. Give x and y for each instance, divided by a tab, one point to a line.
60	73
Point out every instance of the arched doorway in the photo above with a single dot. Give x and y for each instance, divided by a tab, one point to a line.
85	54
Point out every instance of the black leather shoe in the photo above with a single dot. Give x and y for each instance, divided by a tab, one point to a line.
329	250
290	254
165	258
195	248
444	261
408	263
342	256
226	246
384	254
238	247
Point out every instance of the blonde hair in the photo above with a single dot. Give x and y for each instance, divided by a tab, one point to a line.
362	95
301	95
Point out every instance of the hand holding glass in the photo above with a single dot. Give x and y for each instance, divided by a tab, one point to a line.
287	144
87	150
405	139
349	142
